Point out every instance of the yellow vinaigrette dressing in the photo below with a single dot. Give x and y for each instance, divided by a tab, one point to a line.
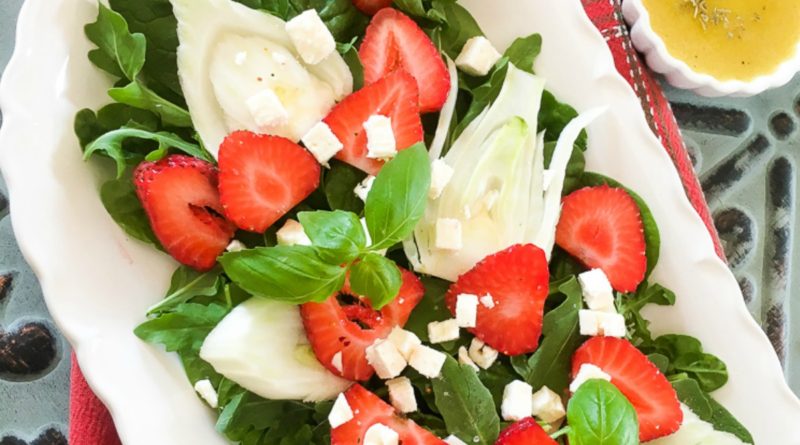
728	39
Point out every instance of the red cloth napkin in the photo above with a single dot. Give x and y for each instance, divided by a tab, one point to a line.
90	423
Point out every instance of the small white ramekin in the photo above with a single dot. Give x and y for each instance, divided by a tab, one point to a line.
679	74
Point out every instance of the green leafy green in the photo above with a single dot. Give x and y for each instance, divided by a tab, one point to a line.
686	356
350	55
120	200
709	410
431	308
118	52
554	116
339	183
136	94
90	125
343	19
631	305
339	233
184	328
186	284
455	25
377	277
598	414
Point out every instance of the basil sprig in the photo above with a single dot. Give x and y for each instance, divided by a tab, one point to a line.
598	414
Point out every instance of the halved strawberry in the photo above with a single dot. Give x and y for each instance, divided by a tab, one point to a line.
395	41
370	7
179	194
651	395
525	432
602	227
395	97
351	326
262	177
517	279
368	410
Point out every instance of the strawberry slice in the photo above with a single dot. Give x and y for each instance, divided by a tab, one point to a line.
525	432
262	177
651	395
352	325
370	7
368	410
517	279
602	227
394	96
179	194
395	41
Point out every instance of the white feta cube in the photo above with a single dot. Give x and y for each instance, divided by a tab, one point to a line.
465	359
427	361
267	110
547	179
401	393
467	310
404	341
236	246
381	143
517	401
322	143
292	234
442	331
601	323
547	405
597	291
478	56
380	434
441	174
311	37
206	390
453	440
341	412
487	301
588	372
448	234
336	361
363	188
482	354
386	359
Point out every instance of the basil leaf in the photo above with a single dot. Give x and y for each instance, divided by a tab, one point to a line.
337	231
431	308
294	274
398	197
118	52
598	414
339	184
120	200
186	284
377	278
465	404
185	328
136	94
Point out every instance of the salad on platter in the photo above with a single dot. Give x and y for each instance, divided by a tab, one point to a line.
386	231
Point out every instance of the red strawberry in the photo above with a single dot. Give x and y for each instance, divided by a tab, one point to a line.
651	395
395	41
394	96
370	7
525	432
350	328
602	227
368	410
179	195
517	279
262	177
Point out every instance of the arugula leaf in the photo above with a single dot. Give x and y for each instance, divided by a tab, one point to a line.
723	420
339	233
118	52
343	19
377	278
186	284
431	308
184	328
120	200
90	125
339	183
686	356
295	274
250	419
598	414
709	410
630	306
398	197
465	404
524	51
350	55
496	378
136	94
412	7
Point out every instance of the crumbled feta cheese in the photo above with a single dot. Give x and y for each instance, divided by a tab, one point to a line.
311	37
267	110
336	361
427	361
517	401
381	143
448	234
441	174
482	354
292	234
442	331
547	405
363	188
341	412
601	323
404	341
401	393
236	246
597	291
464	358
322	143
240	58
487	301
478	56
280	57
380	434
206	390
588	372
467	310
547	179
386	359
453	440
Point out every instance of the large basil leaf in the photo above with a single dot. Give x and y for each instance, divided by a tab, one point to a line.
598	414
